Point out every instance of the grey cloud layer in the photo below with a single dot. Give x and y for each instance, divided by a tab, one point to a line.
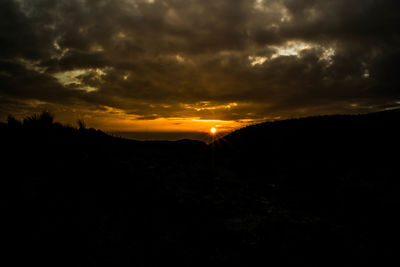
150	58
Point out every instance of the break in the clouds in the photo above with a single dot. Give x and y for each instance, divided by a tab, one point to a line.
225	60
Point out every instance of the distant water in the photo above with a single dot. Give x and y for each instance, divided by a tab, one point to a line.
170	136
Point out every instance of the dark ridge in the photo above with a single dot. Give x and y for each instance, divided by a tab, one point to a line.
318	191
337	123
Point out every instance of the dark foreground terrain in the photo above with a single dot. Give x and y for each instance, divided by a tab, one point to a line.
319	191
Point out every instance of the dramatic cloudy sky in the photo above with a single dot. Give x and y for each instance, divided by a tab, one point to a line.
187	65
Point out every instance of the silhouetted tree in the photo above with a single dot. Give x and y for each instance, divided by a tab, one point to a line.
46	117
81	124
13	122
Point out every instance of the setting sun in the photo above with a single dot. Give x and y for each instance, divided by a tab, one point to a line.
213	130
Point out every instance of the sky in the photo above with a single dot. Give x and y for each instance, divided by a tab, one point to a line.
189	65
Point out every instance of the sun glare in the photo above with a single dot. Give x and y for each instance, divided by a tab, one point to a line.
213	130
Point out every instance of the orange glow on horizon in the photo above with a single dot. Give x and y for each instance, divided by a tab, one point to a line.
109	119
128	124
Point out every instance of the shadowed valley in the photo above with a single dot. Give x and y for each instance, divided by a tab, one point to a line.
317	191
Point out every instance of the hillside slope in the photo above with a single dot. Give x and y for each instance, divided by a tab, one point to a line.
317	191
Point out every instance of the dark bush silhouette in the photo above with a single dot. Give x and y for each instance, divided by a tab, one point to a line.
43	120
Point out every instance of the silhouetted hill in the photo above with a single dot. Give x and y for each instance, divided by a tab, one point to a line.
341	169
325	131
319	191
326	144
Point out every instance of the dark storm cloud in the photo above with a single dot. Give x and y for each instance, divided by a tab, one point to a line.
168	58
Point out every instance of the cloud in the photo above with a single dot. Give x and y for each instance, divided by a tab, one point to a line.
164	59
